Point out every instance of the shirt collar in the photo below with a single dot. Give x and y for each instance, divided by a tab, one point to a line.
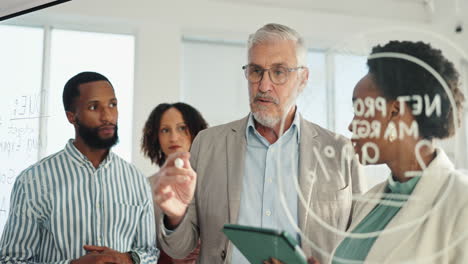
437	166
251	130
406	187
77	156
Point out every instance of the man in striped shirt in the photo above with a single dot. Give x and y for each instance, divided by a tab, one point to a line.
83	204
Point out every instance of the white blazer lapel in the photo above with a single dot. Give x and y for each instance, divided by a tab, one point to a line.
416	210
405	223
366	203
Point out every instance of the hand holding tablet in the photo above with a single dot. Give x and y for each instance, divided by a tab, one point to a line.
262	244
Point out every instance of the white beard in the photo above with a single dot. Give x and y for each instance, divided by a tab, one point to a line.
269	119
265	120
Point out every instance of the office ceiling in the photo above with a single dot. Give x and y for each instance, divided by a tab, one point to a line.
416	10
10	8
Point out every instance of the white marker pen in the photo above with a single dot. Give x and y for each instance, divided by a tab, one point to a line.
179	163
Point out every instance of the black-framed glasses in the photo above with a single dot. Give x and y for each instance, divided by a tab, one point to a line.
278	74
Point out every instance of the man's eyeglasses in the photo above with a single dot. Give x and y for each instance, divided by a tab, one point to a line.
278	74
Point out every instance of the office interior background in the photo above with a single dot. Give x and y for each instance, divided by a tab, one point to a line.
192	51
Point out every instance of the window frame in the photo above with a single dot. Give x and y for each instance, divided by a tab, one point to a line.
48	27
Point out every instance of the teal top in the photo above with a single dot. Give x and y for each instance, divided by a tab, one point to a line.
355	250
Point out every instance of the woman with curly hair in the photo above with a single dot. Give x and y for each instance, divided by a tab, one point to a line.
171	128
419	214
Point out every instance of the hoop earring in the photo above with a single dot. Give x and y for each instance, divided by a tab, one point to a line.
392	137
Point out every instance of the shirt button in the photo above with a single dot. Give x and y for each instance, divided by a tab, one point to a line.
268	213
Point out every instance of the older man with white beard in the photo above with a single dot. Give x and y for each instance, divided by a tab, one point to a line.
239	172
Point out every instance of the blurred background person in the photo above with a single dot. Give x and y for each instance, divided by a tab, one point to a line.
171	128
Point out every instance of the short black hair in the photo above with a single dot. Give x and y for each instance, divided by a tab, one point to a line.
150	141
396	77
71	91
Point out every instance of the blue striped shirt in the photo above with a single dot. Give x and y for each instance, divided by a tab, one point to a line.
62	203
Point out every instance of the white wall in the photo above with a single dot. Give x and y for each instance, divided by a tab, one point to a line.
160	25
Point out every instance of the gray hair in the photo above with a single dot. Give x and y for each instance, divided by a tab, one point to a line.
272	31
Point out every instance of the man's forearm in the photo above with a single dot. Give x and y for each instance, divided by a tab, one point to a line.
178	242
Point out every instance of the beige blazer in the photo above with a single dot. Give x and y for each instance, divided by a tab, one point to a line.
217	155
431	227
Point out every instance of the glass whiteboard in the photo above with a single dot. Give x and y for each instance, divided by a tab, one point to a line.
21	51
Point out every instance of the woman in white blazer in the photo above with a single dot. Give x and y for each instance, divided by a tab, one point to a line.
420	214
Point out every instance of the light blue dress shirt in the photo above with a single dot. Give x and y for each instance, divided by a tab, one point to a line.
266	167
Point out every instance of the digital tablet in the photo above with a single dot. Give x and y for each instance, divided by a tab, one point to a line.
259	244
